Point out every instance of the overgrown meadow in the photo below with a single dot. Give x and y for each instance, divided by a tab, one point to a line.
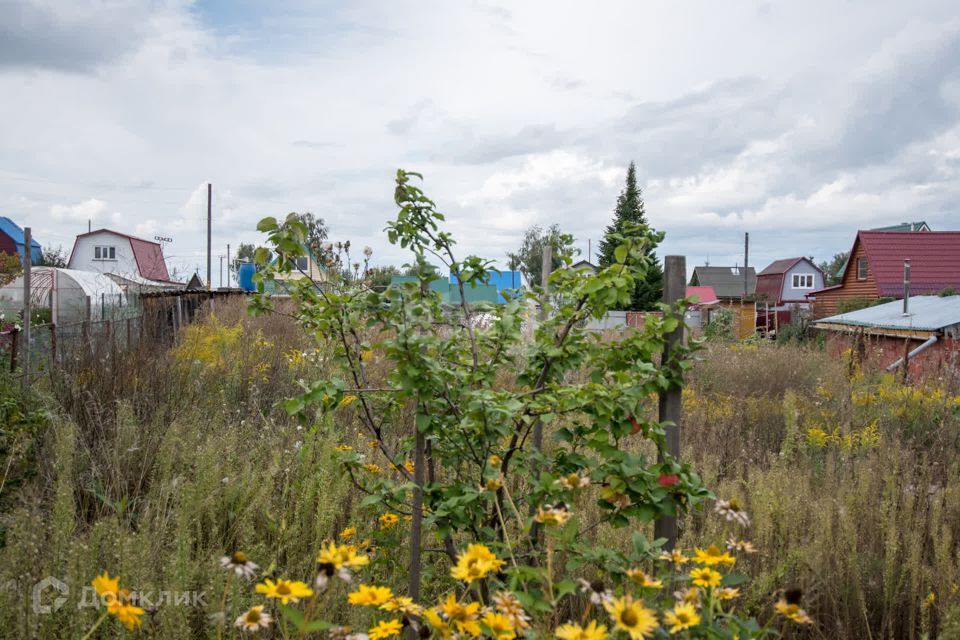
236	491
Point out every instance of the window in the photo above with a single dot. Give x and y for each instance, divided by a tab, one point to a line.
302	263
104	253
803	281
862	268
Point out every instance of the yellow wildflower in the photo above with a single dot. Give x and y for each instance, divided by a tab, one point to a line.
728	593
713	555
572	631
462	616
552	515
285	591
475	564
792	612
348	533
367	596
104	585
706	577
385	629
388	520
641	579
498	625
631	616
437	623
682	616
372	468
403	604
675	556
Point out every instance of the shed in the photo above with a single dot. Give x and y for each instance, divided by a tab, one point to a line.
926	329
12	241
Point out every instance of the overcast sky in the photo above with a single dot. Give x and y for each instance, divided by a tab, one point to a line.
799	122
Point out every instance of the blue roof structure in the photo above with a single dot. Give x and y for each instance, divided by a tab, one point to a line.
15	233
925	313
494	292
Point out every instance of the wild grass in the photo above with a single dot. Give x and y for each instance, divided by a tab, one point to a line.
154	462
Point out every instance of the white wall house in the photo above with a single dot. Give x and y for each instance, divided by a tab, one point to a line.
106	251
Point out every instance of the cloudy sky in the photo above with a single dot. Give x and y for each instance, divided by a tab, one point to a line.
799	122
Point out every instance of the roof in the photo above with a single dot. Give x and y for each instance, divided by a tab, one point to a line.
770	280
727	282
704	295
780	267
13	230
583	263
927	313
147	253
905	226
934	260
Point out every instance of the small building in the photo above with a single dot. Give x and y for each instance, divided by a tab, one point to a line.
71	296
107	251
585	264
12	241
875	269
704	300
784	284
926	330
905	226
305	266
735	288
496	291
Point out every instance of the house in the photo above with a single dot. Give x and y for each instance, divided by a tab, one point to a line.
786	283
925	330
735	288
107	251
305	266
495	291
875	269
12	241
905	226
704	300
585	264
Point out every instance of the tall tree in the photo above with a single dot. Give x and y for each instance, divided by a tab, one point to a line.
51	257
317	231
649	289
528	259
832	268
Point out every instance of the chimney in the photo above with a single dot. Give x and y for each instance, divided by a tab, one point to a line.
906	287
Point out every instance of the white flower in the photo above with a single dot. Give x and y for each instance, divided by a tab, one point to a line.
367	251
254	619
239	564
732	511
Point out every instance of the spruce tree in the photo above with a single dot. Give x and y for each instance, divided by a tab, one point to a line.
649	290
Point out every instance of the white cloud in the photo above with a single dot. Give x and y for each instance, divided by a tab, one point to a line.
89	209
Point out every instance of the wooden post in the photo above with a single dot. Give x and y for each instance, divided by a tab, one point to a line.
671	404
53	345
128	334
27	311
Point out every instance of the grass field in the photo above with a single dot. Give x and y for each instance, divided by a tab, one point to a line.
154	463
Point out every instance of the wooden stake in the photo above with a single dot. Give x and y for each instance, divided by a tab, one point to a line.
671	405
27	264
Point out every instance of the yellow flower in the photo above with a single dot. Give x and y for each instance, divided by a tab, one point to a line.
551	515
631	616
388	520
104	585
641	579
688	596
499	626
437	623
713	555
127	614
508	604
493	484
494	461
254	619
348	533
367	596
930	600
571	631
682	616
675	556
475	564
706	577
344	447
462	616
372	468
385	629
403	604
409	466
373	444
728	593
792	612
284	590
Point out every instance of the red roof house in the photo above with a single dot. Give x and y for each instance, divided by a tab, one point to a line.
108	251
875	267
704	295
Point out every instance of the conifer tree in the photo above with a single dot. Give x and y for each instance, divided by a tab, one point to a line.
649	290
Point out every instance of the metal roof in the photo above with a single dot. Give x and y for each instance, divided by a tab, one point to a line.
926	313
727	282
13	230
905	226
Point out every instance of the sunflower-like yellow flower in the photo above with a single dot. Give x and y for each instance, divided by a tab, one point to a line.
631	616
706	577
498	625
682	616
641	579
552	515
348	533
388	520
410	466
728	593
285	591
370	596
675	556
385	629
792	612
105	586
119	604
475	563
373	469
342	555
438	624
462	616
713	555
572	631
344	447
403	604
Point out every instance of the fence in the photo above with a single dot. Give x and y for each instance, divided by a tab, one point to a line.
154	318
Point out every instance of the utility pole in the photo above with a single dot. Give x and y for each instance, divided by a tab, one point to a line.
674	286
228	266
209	234
27	263
221	271
746	257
